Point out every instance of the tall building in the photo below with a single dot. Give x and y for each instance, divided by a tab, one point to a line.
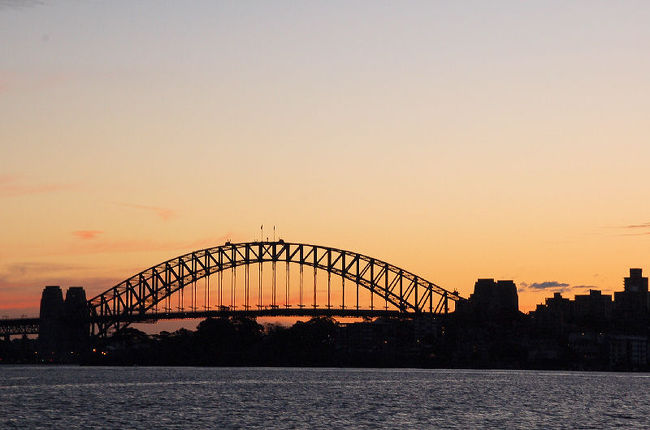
559	305
76	319
593	308
52	326
493	298
555	313
632	303
64	327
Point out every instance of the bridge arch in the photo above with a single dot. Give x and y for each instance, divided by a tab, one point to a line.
137	298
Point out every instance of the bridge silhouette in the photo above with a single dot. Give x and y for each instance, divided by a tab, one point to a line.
171	290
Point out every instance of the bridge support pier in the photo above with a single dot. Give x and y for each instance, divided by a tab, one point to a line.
64	325
77	320
51	327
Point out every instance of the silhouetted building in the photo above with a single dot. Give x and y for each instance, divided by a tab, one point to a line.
632	303
492	299
594	308
589	347
51	326
628	310
636	282
76	319
558	304
64	326
599	332
555	313
559	307
627	351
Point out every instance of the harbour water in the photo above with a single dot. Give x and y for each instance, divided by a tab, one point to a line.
46	397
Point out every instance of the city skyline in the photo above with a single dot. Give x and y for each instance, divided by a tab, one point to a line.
499	140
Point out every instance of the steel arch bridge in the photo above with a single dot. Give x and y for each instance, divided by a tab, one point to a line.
139	297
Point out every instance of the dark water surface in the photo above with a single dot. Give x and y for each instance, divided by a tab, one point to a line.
187	398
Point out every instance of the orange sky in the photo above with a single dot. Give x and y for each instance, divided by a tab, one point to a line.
501	140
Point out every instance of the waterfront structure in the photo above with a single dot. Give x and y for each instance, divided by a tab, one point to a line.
172	290
600	332
628	351
632	302
492	299
486	330
593	308
52	326
64	326
628	307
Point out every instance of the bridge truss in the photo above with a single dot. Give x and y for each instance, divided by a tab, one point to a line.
393	290
18	326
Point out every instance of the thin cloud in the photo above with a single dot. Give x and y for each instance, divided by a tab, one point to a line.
20	269
586	287
19	4
87	234
554	286
644	225
645	233
547	285
12	186
34	275
145	245
642	229
164	213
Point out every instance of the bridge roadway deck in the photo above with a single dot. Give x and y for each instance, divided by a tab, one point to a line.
19	326
267	312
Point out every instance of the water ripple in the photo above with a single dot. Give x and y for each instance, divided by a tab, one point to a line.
185	398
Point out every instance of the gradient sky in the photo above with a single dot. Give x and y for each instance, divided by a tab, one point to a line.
455	139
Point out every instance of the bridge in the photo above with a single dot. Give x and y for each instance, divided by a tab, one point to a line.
184	287
20	326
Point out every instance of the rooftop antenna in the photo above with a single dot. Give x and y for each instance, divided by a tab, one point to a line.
262	232
273	233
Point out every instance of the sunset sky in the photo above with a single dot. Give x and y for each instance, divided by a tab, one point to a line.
457	140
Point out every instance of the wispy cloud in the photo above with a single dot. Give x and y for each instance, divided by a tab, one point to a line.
644	225
553	287
641	229
546	285
19	4
87	234
586	287
12	186
101	246
16	271
31	284
164	213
